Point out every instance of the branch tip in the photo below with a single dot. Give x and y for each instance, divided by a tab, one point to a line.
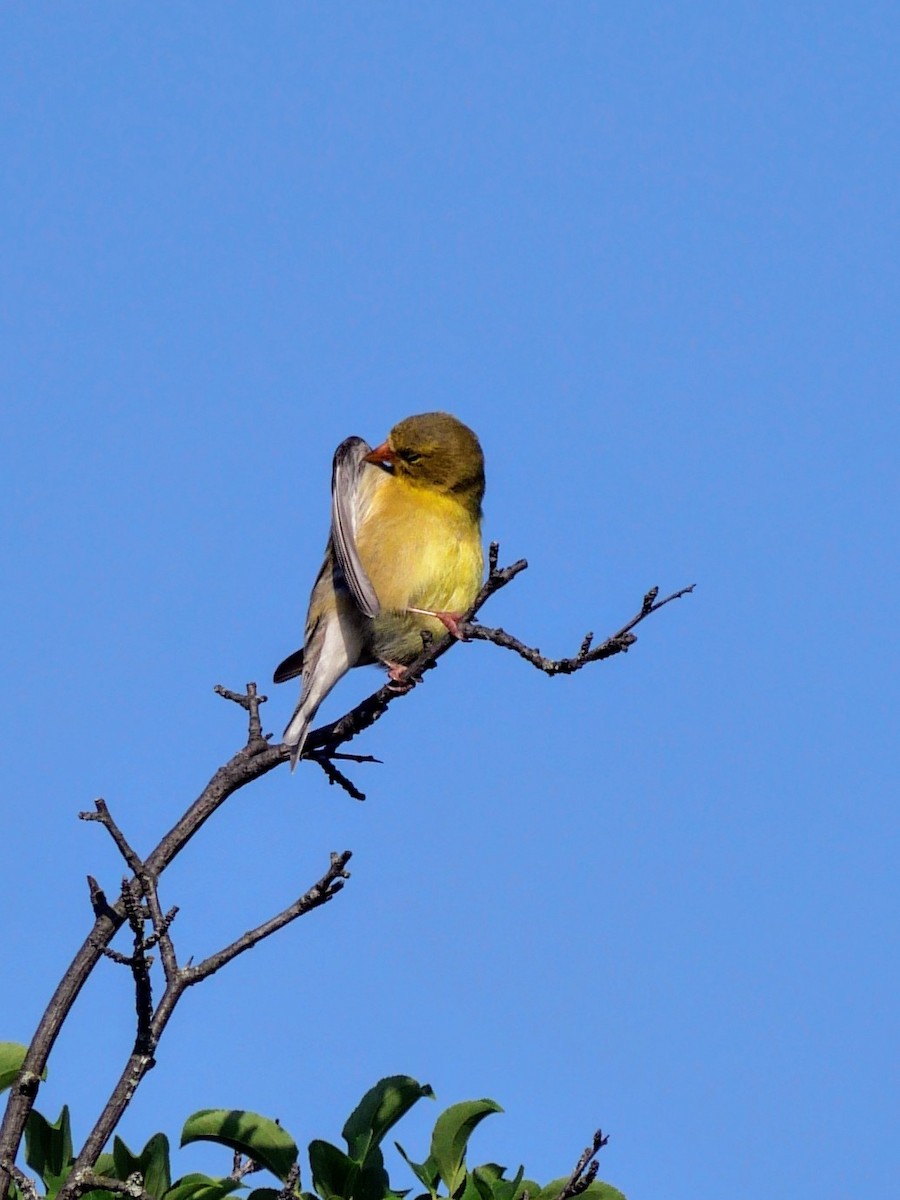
649	600
586	1168
250	702
320	893
617	643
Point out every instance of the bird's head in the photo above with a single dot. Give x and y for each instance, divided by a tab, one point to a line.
437	452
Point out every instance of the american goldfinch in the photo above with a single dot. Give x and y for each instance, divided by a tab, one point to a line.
404	556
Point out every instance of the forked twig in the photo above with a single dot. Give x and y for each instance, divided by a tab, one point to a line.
616	643
585	1169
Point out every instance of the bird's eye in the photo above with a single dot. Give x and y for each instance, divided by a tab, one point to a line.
410	456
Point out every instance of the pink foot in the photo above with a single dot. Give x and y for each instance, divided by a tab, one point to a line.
397	677
449	620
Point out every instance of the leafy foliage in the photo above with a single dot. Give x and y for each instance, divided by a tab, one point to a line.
152	1164
48	1149
451	1136
259	1138
357	1173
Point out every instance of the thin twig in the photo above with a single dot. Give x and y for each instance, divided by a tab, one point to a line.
23	1182
251	702
320	893
616	643
338	777
121	960
89	1181
241	1167
104	817
160	921
335	776
101	906
139	963
585	1169
291	1183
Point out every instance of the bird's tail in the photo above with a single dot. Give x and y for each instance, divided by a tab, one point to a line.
297	730
333	645
327	660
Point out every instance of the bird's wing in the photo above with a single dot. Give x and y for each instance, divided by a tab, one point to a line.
348	463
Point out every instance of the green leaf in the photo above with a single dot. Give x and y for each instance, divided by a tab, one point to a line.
489	1171
528	1185
48	1148
469	1191
264	1194
452	1131
427	1172
484	1188
371	1181
99	1194
596	1191
491	1184
332	1170
202	1187
379	1110
152	1164
257	1137
12	1055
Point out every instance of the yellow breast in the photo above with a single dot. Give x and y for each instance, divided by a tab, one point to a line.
421	549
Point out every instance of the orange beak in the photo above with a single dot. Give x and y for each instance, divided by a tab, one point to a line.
383	455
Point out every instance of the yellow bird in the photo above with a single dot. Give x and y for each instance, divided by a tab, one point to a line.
404	556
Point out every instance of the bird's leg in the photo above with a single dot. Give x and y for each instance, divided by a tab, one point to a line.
397	678
449	620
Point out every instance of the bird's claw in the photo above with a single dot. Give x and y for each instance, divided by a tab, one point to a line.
398	680
449	620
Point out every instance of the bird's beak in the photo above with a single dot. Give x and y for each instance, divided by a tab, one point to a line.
383	455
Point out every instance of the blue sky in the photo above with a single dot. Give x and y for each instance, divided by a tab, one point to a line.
650	255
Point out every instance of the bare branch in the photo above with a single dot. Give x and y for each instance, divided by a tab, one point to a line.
89	1181
161	922
254	760
320	893
338	777
616	643
585	1169
104	816
251	702
291	1183
142	1060
121	960
23	1182
241	1167
101	906
140	964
